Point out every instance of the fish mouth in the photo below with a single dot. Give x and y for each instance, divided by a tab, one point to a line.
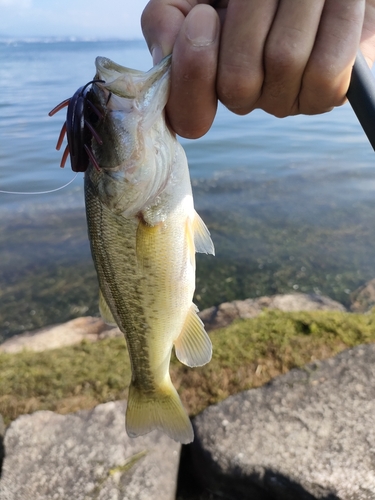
124	81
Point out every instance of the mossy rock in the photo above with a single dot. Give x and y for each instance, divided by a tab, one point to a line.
246	354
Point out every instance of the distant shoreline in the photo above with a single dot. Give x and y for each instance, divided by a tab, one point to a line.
9	39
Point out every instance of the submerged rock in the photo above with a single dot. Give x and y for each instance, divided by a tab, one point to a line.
308	434
86	455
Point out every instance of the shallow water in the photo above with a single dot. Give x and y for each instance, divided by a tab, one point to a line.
289	202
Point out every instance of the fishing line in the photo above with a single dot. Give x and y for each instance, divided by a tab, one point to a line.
41	192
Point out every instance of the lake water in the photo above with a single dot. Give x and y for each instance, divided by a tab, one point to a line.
289	202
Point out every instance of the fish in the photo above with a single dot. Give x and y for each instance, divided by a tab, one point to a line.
144	232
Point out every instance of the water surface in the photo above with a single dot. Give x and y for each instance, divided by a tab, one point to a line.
289	202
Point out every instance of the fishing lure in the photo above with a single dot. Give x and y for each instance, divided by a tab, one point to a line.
79	129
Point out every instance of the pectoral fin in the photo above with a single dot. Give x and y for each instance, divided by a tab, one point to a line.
105	311
202	238
193	346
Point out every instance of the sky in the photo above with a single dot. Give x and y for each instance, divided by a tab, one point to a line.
71	18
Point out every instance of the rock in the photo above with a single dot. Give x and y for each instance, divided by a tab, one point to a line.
73	332
86	455
224	314
93	329
309	434
363	299
300	302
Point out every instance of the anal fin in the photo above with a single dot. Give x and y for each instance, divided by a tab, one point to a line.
193	346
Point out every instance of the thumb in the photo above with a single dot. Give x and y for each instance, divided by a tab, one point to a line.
161	22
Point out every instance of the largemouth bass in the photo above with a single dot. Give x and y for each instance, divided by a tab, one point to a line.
144	233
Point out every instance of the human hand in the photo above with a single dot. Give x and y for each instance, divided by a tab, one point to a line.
286	57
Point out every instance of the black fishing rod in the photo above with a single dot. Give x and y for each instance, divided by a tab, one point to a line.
361	95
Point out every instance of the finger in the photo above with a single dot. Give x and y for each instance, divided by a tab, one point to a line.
161	22
287	51
368	33
240	71
192	102
327	75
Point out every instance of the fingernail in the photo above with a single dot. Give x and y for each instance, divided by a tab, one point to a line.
201	27
157	55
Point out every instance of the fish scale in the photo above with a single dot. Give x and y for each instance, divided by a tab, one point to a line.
113	237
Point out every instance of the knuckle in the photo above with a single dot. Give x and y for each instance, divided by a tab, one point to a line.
278	110
281	113
314	104
326	90
284	65
184	127
281	60
239	91
312	109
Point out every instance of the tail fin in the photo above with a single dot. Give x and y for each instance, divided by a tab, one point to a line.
161	410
